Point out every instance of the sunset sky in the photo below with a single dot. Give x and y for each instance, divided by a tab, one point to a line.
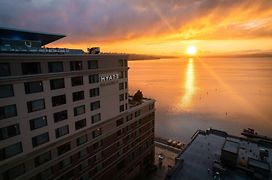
163	27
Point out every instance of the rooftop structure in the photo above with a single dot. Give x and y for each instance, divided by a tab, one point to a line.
20	41
16	34
214	154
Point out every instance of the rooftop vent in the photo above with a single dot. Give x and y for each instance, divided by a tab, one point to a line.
94	50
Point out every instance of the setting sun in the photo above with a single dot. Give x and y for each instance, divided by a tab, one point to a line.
191	50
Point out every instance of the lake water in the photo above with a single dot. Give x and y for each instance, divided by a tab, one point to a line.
229	94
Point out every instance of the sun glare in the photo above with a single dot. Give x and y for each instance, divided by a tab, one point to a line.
191	50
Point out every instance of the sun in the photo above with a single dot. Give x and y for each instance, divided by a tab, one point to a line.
191	50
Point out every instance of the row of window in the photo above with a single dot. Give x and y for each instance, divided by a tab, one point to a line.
46	156
37	86
39	122
16	148
53	67
39	104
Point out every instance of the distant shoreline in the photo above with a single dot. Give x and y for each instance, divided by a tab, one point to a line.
135	57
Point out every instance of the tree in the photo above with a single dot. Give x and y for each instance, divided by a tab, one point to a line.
138	96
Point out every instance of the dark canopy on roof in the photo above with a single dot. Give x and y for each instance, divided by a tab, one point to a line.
7	33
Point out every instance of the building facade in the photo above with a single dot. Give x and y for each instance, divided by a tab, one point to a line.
68	116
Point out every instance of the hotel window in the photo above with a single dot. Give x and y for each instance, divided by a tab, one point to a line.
33	87
151	106
119	122
97	132
82	153
95	105
125	74
96	118
121	75
6	91
38	122
35	105
40	139
77	81
79	110
92	64
43	158
126	106
57	83
10	150
55	67
62	131
14	172
4	69
94	78
31	68
97	145
82	139
129	117
137	113
65	163
126	85
126	95
122	108
8	111
58	100
120	62
121	97
60	116
75	65
9	131
94	92
80	124
78	96
46	174
125	62
64	148
121	86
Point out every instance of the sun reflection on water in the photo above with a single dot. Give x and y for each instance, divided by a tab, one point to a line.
189	86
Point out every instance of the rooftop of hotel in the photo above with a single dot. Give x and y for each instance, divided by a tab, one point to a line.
16	41
202	158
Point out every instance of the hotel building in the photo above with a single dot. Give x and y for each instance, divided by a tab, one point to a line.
66	114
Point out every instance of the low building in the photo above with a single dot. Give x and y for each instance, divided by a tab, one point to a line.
214	154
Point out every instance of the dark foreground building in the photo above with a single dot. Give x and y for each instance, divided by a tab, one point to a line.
214	154
65	114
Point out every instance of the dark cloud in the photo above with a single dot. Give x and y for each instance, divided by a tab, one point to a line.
109	20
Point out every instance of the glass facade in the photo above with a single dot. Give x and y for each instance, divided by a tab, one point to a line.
9	131
8	111
40	139
31	68
33	87
57	83
55	67
79	110
35	105
6	91
38	122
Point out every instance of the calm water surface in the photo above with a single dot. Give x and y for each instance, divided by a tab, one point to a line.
224	93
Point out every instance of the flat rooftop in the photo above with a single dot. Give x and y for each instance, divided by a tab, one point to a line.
205	148
231	146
